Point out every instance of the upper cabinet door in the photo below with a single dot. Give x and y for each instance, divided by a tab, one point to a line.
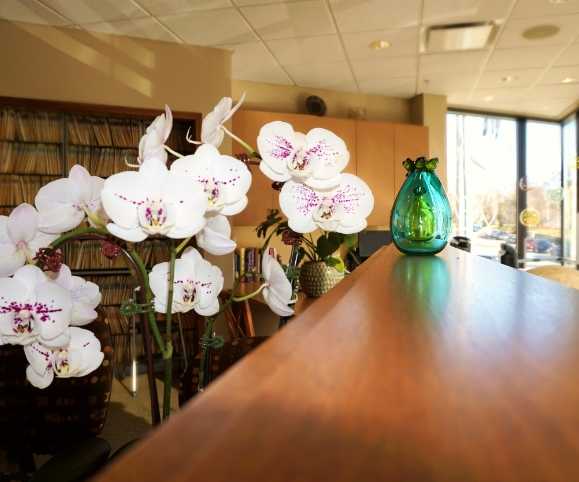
246	125
375	155
409	141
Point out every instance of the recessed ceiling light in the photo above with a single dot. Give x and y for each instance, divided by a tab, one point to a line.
541	32
558	2
488	98
508	78
568	80
379	44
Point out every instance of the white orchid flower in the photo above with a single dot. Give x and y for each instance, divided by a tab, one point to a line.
20	238
81	356
278	291
215	237
153	201
33	308
85	296
213	128
63	204
224	179
152	144
197	284
316	159
343	209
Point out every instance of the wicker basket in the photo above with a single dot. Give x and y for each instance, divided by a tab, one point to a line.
317	278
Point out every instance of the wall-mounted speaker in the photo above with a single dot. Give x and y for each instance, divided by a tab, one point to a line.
315	106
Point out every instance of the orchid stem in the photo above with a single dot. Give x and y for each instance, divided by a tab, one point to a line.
183	244
250	150
204	362
76	233
168	355
250	295
148	299
175	153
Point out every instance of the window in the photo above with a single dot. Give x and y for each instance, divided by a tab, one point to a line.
502	192
570	188
482	179
542	183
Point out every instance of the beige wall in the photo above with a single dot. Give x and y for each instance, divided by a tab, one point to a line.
77	66
291	99
430	110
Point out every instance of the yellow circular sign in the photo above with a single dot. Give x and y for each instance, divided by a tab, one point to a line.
530	217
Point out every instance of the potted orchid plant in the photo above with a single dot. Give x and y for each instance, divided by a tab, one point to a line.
43	306
316	197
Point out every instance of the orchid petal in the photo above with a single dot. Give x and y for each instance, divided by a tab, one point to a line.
9	263
39	380
121	196
215	236
276	144
52	310
133	235
298	202
30	276
327	153
22	223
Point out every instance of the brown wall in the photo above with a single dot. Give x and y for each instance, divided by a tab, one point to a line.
77	66
291	99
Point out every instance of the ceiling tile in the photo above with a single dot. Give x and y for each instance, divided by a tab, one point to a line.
28	11
326	48
403	87
503	95
508	78
138	27
334	76
210	27
459	98
544	8
556	74
402	42
252	61
445	84
290	20
172	7
452	62
522	58
92	11
455	11
512	34
389	68
243	3
570	56
366	15
556	91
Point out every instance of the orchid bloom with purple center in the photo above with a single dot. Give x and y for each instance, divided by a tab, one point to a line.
343	209
197	284
153	201
316	158
33	308
65	203
81	356
20	238
224	179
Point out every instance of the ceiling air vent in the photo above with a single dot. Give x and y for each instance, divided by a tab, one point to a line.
458	36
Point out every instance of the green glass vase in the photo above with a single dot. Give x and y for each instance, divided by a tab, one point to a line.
421	217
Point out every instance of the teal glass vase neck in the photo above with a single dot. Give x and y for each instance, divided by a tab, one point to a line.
421	216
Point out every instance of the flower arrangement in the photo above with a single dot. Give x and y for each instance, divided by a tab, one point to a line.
43	306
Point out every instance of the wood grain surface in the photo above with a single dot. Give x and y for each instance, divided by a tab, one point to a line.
444	368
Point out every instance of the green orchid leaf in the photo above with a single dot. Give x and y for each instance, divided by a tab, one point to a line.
336	263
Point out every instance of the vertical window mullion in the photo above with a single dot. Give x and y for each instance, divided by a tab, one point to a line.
521	180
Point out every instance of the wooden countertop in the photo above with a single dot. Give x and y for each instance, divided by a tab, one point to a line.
445	368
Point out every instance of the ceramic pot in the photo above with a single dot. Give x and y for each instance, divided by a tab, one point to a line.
317	278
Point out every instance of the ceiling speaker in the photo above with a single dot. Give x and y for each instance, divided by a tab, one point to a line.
315	105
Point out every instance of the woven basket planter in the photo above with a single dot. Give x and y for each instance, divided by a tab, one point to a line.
317	278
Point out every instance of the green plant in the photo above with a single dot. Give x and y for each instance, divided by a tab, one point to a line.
322	249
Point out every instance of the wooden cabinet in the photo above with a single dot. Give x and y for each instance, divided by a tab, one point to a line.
377	150
375	154
409	141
